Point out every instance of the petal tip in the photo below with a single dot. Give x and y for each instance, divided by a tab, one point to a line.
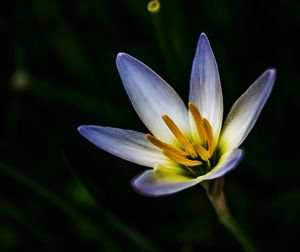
203	35
237	159
124	60
121	56
269	76
203	45
134	185
81	129
139	188
230	161
272	72
240	155
203	38
85	130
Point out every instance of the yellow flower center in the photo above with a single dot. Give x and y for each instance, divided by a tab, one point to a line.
189	153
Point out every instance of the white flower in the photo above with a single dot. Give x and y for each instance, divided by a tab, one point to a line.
185	146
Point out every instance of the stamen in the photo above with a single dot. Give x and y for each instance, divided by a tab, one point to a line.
210	137
202	152
191	152
179	136
198	121
164	146
181	160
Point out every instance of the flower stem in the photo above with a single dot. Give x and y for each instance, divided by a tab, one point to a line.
230	223
217	198
163	38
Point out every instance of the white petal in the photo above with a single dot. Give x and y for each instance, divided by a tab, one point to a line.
246	110
227	162
165	180
160	182
205	86
126	144
151	97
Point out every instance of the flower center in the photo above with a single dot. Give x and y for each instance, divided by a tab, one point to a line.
190	153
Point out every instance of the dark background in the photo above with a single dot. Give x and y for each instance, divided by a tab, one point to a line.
60	193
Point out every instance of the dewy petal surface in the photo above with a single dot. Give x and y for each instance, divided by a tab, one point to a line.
246	110
162	181
205	86
126	144
152	97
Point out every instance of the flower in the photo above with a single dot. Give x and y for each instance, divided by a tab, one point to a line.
185	146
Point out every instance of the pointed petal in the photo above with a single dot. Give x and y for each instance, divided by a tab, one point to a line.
227	162
126	144
246	110
205	86
151	97
162	181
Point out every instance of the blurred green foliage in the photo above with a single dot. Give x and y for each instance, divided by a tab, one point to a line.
60	193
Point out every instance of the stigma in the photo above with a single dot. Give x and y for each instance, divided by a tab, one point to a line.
189	152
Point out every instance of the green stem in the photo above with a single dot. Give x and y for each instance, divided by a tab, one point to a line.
162	35
217	198
230	223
